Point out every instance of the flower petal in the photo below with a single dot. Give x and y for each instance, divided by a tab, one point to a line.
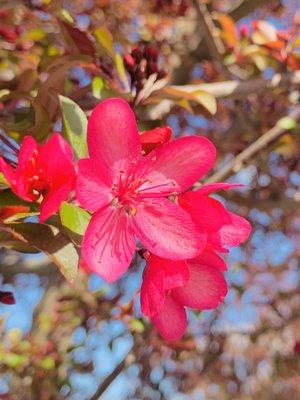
171	320
236	232
179	164
29	144
210	258
159	276
108	244
208	214
53	199
93	184
205	289
57	158
166	230
113	136
215	187
152	292
15	180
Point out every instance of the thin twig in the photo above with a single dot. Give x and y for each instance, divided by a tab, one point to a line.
236	164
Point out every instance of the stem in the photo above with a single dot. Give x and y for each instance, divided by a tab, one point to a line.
236	164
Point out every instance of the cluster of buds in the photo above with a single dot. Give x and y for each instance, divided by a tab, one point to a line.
141	63
171	7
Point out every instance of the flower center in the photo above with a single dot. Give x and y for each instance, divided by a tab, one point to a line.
126	193
38	183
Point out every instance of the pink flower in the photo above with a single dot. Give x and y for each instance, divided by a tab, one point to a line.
170	286
222	227
128	193
43	172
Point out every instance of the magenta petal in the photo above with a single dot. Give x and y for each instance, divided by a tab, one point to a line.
152	292
56	157
208	214
29	144
113	136
205	289
159	276
166	230
53	199
108	244
181	163
236	232
93	187
215	187
211	259
171	320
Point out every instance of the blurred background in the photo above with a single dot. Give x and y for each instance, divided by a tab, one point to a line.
228	70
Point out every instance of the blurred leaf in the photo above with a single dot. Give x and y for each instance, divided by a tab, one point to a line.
8	198
3	181
184	103
260	61
201	97
80	39
74	218
136	325
287	123
66	15
206	100
50	240
35	35
74	126
97	86
47	363
229	32
105	38
121	71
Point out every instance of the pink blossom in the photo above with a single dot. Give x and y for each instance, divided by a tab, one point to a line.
44	172
128	193
222	227
170	286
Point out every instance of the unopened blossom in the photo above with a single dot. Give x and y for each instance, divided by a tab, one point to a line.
127	193
44	173
155	138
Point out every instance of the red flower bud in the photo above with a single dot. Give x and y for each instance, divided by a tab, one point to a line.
244	31
151	52
155	138
129	61
137	54
7	298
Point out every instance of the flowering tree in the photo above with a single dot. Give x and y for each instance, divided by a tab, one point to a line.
120	123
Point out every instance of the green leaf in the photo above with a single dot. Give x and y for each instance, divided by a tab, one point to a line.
8	198
74	218
136	325
74	126
287	123
105	38
3	181
46	238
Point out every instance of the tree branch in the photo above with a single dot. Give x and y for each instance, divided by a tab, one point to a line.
236	164
111	377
